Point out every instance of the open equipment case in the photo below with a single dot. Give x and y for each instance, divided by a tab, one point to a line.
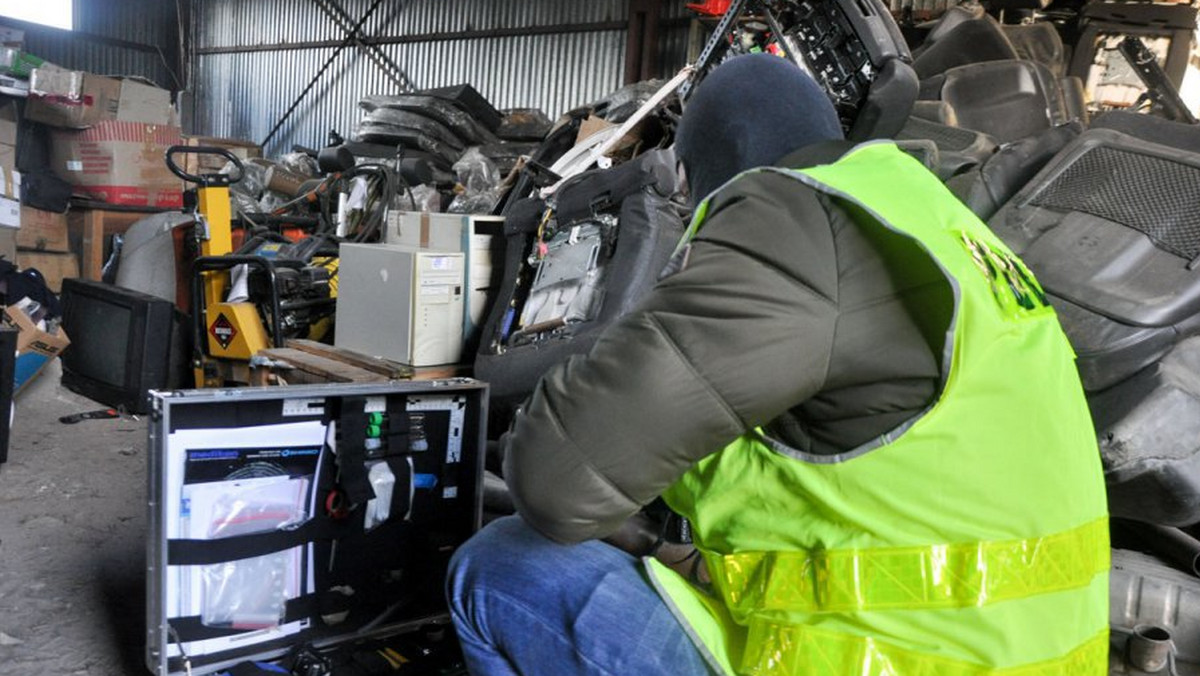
308	516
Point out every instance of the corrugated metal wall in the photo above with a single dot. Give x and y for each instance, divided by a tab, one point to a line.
125	37
548	54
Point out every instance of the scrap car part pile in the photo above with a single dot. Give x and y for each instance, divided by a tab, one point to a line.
454	141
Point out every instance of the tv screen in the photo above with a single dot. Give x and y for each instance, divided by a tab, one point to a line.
97	351
124	343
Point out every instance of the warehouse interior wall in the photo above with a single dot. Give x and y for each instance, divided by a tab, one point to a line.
253	62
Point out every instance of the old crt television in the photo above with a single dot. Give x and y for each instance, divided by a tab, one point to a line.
128	344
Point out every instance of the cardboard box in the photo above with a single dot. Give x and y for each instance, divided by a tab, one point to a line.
33	339
145	103
76	100
119	162
35	348
71	98
55	267
42	230
211	164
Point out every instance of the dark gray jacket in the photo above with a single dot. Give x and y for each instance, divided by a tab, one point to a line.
787	315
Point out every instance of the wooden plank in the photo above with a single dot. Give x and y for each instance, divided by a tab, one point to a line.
92	227
442	372
383	367
43	231
328	370
92	254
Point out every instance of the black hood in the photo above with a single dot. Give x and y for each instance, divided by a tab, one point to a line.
750	112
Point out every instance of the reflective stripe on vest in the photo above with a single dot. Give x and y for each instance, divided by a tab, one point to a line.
938	576
797	650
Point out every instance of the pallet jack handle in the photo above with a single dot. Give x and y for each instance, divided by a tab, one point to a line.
205	180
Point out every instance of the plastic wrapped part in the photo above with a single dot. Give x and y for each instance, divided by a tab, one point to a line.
454	118
469	99
480	184
300	163
254	179
373	132
623	103
408	123
476	203
375	152
1149	434
247	594
270	201
524	124
476	172
506	155
243	204
426	198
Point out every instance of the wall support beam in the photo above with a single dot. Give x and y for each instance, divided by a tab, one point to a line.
641	45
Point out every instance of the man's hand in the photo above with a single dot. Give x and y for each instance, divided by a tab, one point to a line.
638	535
685	560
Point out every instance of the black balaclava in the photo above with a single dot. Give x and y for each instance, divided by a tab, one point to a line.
751	111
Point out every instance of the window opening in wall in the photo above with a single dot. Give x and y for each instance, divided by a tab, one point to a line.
56	13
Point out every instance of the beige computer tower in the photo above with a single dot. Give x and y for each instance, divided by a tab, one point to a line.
401	303
479	237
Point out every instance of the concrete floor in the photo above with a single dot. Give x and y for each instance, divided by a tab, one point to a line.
72	539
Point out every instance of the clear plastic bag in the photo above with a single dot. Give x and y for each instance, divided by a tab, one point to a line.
479	184
427	198
253	181
246	594
270	202
258	508
300	163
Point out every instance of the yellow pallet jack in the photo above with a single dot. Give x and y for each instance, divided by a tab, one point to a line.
225	335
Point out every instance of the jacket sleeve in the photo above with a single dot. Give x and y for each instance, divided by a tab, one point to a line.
739	335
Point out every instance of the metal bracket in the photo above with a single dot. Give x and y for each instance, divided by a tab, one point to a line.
389	67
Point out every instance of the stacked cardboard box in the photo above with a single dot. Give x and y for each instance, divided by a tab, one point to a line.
110	135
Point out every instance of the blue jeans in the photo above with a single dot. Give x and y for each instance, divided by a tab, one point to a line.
523	604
